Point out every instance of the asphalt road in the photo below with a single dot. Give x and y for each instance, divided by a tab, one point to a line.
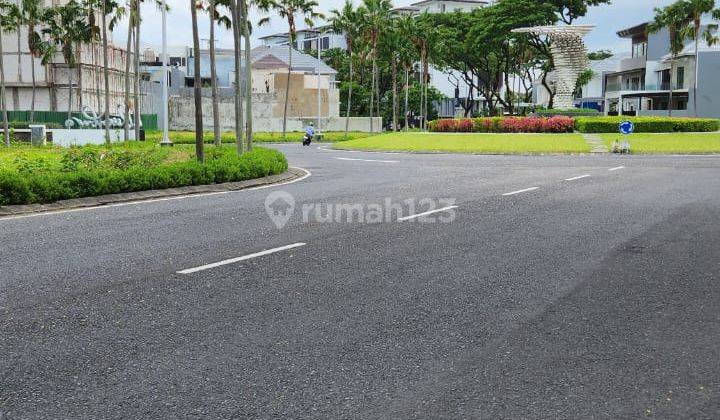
586	297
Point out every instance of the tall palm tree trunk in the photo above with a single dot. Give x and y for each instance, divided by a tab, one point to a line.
197	87
32	101
239	143
394	94
349	99
3	99
106	74
136	86
697	67
287	87
372	90
425	91
670	95
248	85
407	91
213	78
126	115
19	51
70	90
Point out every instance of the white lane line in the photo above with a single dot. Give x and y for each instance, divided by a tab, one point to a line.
414	216
243	258
369	160
575	178
521	191
155	200
617	168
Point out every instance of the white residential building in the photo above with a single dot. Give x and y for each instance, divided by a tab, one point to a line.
52	79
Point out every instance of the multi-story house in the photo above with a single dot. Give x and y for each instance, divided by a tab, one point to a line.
52	79
307	39
642	83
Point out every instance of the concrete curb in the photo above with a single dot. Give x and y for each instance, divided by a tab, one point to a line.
139	196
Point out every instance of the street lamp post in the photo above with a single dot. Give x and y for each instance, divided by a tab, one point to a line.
166	139
318	82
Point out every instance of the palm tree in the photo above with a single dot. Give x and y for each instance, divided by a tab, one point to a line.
374	16
405	26
346	21
694	10
32	11
197	85
8	22
116	12
672	18
67	28
236	19
244	7
132	22
288	9
215	17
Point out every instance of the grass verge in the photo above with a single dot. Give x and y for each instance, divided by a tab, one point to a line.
669	143
188	137
44	175
472	143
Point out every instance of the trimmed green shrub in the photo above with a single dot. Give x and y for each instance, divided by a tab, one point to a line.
558	124
222	166
646	124
577	112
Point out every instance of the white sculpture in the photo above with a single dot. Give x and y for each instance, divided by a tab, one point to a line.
570	57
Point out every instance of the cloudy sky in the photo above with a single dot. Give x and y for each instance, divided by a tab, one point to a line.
608	19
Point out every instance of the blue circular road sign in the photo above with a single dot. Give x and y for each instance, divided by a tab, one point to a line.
627	127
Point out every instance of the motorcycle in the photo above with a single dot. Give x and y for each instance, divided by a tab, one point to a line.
307	139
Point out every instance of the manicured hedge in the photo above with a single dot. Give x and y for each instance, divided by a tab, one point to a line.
47	187
188	137
646	124
556	124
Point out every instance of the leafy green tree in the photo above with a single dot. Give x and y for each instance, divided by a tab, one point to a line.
67	28
599	55
569	10
31	15
345	21
374	16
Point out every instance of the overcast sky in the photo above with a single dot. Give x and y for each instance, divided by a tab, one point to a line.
608	19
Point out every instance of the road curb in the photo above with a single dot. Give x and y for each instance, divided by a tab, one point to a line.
290	175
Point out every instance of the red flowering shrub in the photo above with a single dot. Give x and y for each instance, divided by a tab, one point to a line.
556	124
464	126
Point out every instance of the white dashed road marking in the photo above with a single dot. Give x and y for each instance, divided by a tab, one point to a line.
243	258
414	216
617	168
577	177
521	191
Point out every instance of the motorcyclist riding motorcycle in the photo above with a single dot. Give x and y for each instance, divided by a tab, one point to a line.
309	135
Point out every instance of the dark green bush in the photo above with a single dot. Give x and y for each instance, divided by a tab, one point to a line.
47	187
646	124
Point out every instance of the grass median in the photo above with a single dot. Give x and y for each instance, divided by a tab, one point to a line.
188	137
471	143
669	143
30	175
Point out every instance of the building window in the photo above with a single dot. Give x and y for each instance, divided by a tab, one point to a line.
325	43
681	105
680	84
307	45
639	49
442	8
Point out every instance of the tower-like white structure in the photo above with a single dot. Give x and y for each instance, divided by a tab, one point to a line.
570	57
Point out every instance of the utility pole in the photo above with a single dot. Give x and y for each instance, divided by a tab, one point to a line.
166	138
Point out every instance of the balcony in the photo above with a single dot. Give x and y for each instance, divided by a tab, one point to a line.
634	63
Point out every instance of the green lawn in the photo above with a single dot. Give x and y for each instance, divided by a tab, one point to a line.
669	143
472	143
186	137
